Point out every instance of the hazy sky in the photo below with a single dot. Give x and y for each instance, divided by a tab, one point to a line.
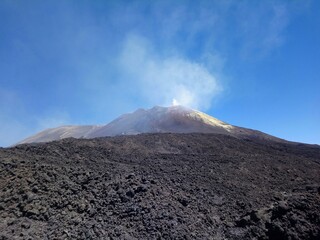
250	63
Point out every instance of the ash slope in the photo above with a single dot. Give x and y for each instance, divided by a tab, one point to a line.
160	186
175	119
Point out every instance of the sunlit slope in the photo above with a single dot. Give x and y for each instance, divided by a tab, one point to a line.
174	119
60	133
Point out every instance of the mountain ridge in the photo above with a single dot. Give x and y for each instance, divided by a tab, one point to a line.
174	119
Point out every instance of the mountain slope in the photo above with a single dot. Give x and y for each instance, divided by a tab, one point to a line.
160	186
52	134
175	119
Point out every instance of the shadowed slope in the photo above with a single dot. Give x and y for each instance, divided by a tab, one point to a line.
168	186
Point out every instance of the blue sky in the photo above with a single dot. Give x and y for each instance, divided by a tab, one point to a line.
254	64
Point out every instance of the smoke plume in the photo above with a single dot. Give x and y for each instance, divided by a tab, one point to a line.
167	80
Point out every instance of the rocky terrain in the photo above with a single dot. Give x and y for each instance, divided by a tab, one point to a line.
160	186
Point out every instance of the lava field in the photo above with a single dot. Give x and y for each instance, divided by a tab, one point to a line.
160	186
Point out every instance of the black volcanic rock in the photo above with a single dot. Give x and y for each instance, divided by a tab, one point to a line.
160	186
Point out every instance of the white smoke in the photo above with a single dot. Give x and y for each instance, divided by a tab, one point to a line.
166	81
175	102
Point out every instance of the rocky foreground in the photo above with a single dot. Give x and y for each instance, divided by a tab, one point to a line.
160	186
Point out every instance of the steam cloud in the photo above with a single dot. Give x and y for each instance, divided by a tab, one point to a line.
166	81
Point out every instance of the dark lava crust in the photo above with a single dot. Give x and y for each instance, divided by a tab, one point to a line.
160	186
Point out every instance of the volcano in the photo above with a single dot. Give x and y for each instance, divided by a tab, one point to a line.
174	119
160	173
